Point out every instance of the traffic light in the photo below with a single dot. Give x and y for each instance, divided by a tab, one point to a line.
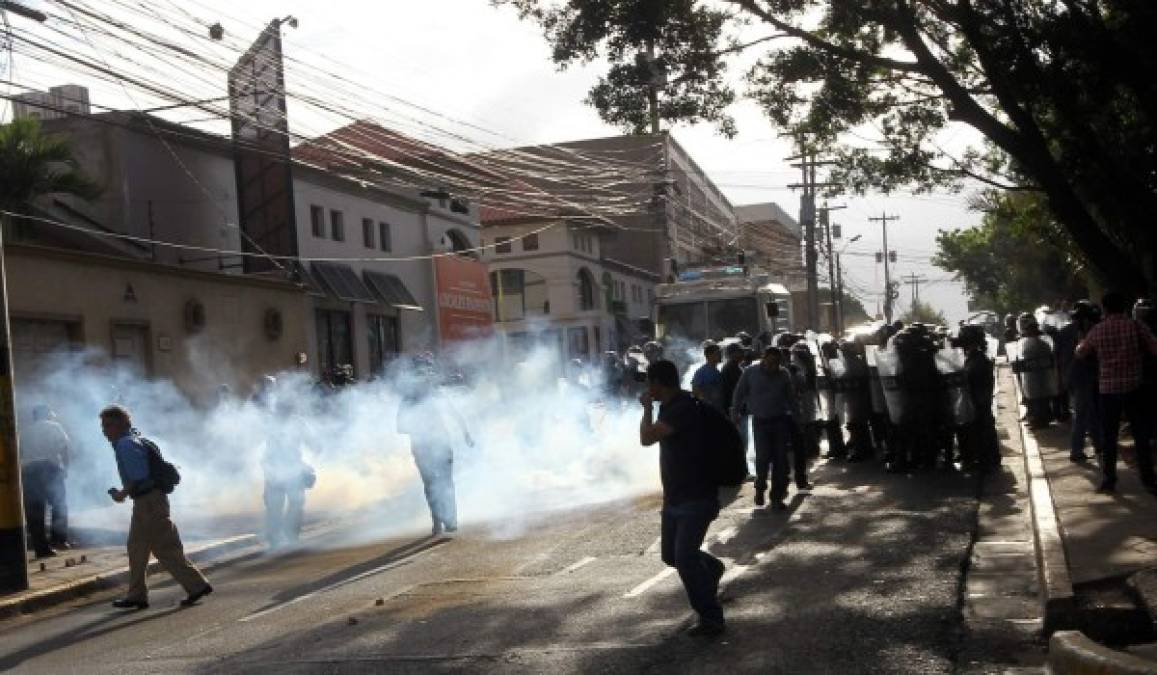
879	257
837	231
891	256
894	290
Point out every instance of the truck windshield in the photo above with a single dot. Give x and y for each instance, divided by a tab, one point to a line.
685	320
727	317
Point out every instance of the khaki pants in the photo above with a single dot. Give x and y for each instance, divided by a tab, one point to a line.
151	531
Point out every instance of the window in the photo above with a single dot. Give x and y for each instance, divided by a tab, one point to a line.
337	225
518	294
384	239
368	232
385	343
579	343
502	244
334	347
586	291
317	221
530	242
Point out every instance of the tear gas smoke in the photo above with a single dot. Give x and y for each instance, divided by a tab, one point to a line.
540	442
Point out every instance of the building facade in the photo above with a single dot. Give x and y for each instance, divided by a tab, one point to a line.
364	250
552	287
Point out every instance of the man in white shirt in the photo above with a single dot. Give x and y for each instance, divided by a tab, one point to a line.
44	454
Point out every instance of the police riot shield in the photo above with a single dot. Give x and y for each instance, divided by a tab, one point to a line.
888	365
875	388
954	387
1035	366
807	388
826	391
851	385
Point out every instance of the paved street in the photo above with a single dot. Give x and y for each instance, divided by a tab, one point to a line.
864	575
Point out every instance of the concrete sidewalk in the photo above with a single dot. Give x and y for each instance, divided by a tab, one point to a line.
1105	535
99	561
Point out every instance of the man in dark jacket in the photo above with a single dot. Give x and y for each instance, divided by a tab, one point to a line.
690	496
1081	378
984	446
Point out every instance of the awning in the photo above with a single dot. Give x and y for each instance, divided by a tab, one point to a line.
390	290
341	282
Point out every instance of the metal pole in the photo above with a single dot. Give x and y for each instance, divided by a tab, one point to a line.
835	327
652	89
807	209
13	563
840	295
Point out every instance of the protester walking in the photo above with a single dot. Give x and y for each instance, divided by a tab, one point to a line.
1081	377
707	382
45	454
766	392
151	530
1119	343
729	375
690	497
983	444
421	416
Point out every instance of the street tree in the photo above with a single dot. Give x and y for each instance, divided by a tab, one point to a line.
922	312
1060	91
1017	258
33	164
665	57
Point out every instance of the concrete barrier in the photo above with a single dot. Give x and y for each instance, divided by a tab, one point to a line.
1071	653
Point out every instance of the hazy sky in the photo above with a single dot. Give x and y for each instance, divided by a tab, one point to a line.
478	64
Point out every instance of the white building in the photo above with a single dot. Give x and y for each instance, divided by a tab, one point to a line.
64	101
169	183
552	286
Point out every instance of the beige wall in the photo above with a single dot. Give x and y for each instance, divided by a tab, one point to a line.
91	291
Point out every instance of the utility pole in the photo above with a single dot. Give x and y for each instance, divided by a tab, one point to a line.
654	80
807	217
914	280
836	328
839	295
884	219
13	564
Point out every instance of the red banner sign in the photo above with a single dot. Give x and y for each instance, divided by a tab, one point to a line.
465	309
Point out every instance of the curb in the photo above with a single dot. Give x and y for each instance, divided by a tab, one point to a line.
1071	653
28	603
1057	597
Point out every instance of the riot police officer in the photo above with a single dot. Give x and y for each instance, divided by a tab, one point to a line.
1035	367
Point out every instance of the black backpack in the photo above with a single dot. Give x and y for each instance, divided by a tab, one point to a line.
165	476
726	454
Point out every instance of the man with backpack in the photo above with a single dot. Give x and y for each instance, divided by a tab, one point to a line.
147	478
690	489
766	392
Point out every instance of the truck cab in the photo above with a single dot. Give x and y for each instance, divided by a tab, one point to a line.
718	302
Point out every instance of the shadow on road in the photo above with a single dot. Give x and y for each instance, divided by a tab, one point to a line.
115	620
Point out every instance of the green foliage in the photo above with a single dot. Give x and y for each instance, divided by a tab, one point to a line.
1060	90
922	312
34	164
684	35
1016	259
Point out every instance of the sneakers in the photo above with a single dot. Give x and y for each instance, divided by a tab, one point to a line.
195	597
707	629
125	603
759	500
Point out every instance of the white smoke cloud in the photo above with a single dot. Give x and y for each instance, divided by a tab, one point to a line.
540	442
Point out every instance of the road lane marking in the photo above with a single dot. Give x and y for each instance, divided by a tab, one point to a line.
581	563
338	584
646	585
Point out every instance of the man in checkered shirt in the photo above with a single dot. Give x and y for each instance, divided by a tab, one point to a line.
1119	343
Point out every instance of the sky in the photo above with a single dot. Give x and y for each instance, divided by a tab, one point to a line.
489	72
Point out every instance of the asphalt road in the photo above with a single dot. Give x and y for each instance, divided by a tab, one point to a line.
862	575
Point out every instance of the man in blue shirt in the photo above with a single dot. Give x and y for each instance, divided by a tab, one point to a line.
707	383
767	394
150	530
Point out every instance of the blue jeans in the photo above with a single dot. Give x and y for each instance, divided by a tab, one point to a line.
772	436
684	527
1086	422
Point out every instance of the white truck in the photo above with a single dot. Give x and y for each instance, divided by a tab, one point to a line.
718	302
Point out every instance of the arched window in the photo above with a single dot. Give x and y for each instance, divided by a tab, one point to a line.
518	294
586	290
